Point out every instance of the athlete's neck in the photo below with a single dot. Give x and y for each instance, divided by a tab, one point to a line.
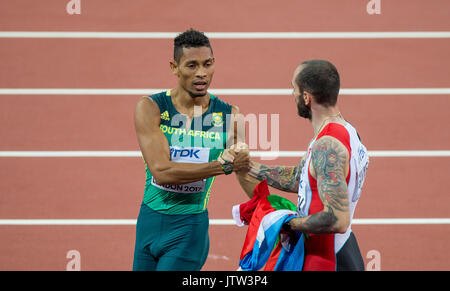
185	103
321	116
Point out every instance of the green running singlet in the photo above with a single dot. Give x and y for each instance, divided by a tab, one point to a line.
203	142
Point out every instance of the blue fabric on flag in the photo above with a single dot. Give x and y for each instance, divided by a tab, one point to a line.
291	256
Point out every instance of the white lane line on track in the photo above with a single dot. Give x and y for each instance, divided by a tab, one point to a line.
256	154
228	35
257	92
356	221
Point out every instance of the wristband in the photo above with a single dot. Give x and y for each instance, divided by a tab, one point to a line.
227	168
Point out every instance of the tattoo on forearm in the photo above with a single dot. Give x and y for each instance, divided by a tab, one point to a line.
285	178
321	222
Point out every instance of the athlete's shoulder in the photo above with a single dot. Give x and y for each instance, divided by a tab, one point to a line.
333	129
160	96
221	104
337	131
162	100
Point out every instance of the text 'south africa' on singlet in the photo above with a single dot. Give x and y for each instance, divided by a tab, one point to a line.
203	142
320	249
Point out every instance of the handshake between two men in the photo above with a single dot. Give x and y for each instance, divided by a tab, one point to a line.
237	159
250	173
238	156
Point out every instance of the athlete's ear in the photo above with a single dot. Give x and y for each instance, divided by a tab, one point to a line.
174	67
307	98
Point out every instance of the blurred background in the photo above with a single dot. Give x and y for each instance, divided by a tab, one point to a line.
71	72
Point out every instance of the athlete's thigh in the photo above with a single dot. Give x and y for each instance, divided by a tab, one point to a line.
178	263
147	232
349	257
186	248
185	258
144	262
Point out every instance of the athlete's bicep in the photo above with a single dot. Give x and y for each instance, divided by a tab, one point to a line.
152	142
329	160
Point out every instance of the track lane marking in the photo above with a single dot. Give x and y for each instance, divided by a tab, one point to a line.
228	35
356	221
246	92
256	154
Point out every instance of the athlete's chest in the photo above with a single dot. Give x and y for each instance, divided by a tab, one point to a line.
206	130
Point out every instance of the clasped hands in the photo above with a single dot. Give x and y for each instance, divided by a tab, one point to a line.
239	155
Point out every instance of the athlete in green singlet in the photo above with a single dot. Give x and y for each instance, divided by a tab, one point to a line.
182	133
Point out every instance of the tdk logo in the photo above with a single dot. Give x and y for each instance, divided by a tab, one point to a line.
189	155
184	153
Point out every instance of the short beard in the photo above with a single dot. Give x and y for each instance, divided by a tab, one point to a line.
195	95
303	110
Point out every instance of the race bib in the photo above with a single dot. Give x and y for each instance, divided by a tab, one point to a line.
194	187
186	155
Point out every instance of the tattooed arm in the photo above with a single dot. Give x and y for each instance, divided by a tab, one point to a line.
329	167
285	178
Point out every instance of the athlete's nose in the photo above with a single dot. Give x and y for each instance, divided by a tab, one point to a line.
201	72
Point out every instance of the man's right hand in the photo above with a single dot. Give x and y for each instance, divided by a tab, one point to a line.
239	156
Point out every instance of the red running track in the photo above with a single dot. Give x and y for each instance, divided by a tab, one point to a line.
144	63
81	122
112	188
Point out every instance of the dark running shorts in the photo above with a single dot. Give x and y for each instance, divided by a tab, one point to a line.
170	242
349	256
